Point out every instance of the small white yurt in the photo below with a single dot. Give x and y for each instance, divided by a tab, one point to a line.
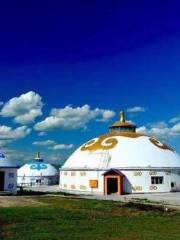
8	175
37	172
121	161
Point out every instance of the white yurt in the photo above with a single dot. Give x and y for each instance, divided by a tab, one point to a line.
36	173
8	175
121	161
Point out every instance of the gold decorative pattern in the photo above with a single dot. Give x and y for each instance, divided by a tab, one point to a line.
153	188
159	144
82	187
152	173
102	143
137	188
137	173
108	141
82	174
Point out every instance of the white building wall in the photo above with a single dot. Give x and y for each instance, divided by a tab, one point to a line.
10	179
36	180
79	181
134	181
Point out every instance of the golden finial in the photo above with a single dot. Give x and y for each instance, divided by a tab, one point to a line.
122	116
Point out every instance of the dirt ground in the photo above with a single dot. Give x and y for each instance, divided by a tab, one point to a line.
18	201
171	200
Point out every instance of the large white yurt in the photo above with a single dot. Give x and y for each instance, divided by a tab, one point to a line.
36	173
8	175
121	161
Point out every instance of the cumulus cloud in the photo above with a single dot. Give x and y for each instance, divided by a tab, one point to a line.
62	146
161	131
175	119
4	143
52	145
176	129
41	134
72	118
136	109
44	143
10	133
20	157
160	125
106	115
25	108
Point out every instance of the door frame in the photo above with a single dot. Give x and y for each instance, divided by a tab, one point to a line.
113	174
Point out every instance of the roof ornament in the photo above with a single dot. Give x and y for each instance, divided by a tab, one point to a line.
122	126
122	117
38	157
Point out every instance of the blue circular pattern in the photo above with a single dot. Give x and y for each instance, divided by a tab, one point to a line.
38	166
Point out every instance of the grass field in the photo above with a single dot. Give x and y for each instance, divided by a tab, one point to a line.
62	218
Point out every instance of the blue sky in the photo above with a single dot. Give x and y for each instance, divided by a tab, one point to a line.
80	63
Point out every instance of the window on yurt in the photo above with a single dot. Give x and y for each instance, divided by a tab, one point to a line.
157	180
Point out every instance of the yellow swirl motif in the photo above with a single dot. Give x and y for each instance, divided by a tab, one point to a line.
102	143
160	145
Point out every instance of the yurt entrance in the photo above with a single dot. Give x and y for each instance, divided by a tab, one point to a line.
2	181
113	182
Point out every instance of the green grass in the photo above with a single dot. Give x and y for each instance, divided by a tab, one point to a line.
63	218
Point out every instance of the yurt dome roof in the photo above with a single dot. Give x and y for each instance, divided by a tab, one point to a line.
37	168
123	148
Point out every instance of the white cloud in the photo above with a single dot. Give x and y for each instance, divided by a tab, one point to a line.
53	145
164	133
175	119
41	134
160	125
4	143
106	115
44	143
10	133
20	157
176	129
72	118
25	108
136	109
17	156
62	146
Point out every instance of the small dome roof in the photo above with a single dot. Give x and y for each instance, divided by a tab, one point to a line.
36	168
5	162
